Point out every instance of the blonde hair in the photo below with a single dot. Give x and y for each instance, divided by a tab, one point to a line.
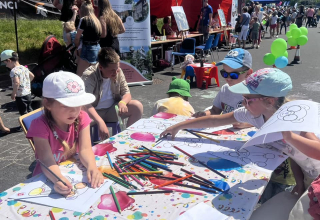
87	12
68	151
111	18
69	26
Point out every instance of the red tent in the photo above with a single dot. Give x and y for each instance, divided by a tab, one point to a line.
162	8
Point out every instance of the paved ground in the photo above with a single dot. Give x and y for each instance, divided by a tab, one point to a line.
17	158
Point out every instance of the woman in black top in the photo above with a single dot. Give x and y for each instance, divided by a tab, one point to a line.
154	29
300	16
111	25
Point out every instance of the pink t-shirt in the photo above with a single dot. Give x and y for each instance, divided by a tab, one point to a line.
39	128
310	12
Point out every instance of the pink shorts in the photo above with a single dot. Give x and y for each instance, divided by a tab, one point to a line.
273	26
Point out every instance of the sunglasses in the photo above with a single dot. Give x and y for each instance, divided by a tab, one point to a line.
247	101
233	75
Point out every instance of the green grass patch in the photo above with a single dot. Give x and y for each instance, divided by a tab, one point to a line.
31	35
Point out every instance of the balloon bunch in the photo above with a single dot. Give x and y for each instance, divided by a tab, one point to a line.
297	36
278	55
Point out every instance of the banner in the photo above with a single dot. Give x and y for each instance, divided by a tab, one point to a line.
234	12
135	43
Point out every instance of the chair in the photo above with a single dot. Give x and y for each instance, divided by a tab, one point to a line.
213	74
188	46
215	44
206	47
190	73
25	122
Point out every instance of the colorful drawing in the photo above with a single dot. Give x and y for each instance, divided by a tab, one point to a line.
101	149
151	125
141	136
107	202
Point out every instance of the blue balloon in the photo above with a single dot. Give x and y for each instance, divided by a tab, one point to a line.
281	62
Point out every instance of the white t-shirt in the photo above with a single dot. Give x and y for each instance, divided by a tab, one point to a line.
259	15
227	101
294	15
106	99
310	167
274	19
22	73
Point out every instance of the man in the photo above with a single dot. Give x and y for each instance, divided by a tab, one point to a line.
107	82
205	21
236	68
154	28
244	23
310	14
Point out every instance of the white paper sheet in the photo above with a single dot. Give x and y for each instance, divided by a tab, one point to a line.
299	115
41	191
203	211
151	125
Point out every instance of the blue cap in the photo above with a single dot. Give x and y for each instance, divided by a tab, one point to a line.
270	82
237	58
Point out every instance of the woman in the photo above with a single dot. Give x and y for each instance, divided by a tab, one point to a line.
300	16
215	21
166	27
111	25
258	14
90	28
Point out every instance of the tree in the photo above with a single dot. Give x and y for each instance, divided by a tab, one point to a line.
128	2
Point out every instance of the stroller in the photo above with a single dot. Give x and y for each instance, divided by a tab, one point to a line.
53	57
314	21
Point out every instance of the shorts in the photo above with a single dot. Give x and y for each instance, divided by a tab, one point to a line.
254	35
108	114
89	53
273	26
244	32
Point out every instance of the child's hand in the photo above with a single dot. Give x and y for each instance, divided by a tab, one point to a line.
13	96
95	177
59	187
298	190
173	130
286	135
199	114
103	131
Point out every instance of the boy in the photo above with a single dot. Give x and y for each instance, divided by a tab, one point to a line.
255	32
21	78
236	67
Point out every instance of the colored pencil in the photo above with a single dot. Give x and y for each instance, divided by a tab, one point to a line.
157	155
132	176
137	161
197	176
149	192
51	215
117	181
115	199
193	180
211	139
198	136
129	173
195	187
203	164
160	139
47	168
164	153
182	190
173	181
168	161
160	177
128	183
131	154
110	161
136	176
118	169
201	132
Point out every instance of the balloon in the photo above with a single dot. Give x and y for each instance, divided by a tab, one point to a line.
304	31
302	40
293	26
278	47
264	22
281	62
269	59
288	34
286	54
292	41
296	33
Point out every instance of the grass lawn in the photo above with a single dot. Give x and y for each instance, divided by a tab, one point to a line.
31	35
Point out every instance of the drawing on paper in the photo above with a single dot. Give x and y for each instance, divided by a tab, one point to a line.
257	158
152	124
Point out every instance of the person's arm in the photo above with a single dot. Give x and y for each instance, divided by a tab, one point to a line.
69	41
122	28
15	87
210	19
103	26
87	158
298	175
123	103
203	122
31	76
213	111
44	152
77	38
57	4
74	15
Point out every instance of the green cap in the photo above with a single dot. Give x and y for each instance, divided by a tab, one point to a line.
7	54
180	86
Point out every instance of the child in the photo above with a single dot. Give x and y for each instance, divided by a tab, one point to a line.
3	128
187	61
64	129
264	92
71	32
177	103
273	22
236	67
255	32
21	78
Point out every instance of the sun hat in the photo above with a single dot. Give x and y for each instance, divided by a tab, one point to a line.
6	54
180	86
237	58
66	88
268	82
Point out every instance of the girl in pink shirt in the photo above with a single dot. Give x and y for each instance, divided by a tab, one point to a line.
63	129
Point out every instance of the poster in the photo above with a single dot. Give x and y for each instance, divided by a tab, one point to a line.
222	18
135	43
180	18
234	12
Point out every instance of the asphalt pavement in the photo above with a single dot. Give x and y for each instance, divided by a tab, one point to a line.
17	157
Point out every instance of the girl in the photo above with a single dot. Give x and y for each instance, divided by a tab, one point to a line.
166	28
273	24
264	92
259	15
64	129
111	25
90	28
215	21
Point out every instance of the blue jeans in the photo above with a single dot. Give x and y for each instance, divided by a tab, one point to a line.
89	53
273	189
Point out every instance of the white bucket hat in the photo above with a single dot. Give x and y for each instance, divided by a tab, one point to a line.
67	88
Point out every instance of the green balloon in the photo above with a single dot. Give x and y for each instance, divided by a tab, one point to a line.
278	47
302	40
293	26
269	59
304	31
292	41
286	54
288	34
296	33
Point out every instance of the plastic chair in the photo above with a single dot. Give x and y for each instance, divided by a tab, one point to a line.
94	130
213	74
190	73
215	44
25	122
188	46
206	47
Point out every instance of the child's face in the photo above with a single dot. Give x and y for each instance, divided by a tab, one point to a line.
63	114
9	63
241	77
110	71
255	104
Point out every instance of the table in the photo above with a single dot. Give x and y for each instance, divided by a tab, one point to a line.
199	72
247	184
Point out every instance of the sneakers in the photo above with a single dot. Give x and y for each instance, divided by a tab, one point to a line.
277	36
257	47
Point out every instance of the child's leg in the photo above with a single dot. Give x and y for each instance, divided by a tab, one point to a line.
3	127
21	105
